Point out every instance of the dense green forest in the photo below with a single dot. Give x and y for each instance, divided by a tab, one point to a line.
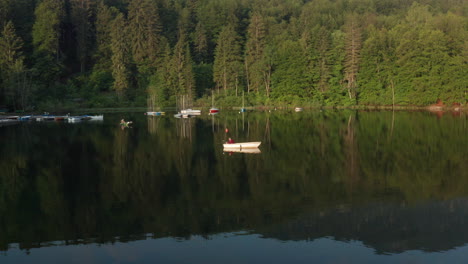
61	54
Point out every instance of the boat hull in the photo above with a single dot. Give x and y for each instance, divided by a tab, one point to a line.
245	150
243	145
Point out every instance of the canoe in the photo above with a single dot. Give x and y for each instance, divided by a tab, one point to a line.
242	145
214	110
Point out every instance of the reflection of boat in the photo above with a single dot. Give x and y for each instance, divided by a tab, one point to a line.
243	108
242	146
97	117
74	118
179	115
245	150
60	118
298	109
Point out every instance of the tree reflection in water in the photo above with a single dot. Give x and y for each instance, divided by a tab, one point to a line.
394	181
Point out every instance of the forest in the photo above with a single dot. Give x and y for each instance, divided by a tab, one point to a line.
68	54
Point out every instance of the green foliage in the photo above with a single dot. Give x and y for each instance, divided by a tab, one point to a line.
227	67
332	53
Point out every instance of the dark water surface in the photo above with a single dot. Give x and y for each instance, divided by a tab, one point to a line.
327	187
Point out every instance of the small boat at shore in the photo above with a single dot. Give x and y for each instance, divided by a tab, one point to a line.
191	112
242	145
298	109
155	113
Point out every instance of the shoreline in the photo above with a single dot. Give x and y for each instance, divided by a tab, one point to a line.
260	108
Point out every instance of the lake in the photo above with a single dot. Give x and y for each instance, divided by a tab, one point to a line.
328	186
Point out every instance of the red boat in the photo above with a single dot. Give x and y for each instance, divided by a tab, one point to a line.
214	110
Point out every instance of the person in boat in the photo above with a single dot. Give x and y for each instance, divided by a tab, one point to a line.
230	141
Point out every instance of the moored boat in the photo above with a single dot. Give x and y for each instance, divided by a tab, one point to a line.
214	110
242	145
298	109
190	111
155	113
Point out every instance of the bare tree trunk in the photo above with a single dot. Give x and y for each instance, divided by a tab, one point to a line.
247	75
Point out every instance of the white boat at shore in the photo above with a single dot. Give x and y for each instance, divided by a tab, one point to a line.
190	112
155	113
242	145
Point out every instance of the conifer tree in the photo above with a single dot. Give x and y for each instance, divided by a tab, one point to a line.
200	43
104	17
144	30
46	30
352	29
14	84
183	80
81	13
254	65
227	64
120	55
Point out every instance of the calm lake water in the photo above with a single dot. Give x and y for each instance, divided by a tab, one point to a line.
327	187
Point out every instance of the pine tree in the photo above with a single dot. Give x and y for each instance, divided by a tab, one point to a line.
5	9
14	86
120	55
353	49
201	43
46	30
144	30
183	81
105	16
377	71
254	65
81	12
227	64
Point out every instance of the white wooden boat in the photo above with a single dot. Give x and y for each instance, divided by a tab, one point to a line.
242	145
190	112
